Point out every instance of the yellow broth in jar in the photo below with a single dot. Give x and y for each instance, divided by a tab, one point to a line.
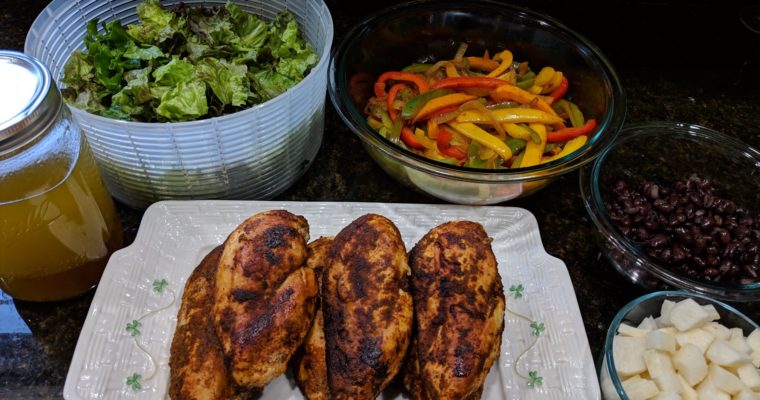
54	243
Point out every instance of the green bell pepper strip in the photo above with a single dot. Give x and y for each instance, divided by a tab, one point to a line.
417	68
473	156
516	145
416	103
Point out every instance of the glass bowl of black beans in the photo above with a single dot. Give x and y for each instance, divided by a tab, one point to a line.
678	205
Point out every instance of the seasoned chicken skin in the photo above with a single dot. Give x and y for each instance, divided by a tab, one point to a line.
196	363
367	308
311	368
265	296
458	313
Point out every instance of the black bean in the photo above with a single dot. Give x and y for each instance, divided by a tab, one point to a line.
658	240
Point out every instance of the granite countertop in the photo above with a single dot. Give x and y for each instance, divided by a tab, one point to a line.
694	63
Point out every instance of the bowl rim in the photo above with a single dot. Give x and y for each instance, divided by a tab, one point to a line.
664	295
324	58
599	214
609	127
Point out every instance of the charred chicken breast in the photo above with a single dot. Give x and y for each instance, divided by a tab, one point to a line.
367	308
196	363
265	296
311	368
458	313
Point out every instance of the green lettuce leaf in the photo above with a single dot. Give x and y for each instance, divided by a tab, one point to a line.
156	23
251	30
271	84
185	102
228	81
77	73
176	71
143	53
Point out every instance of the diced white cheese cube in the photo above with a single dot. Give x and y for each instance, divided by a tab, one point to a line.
667	307
725	380
746	394
721	353
718	330
659	340
755	358
738	342
750	376
708	391
658	362
688	314
711	311
687	392
690	364
628	330
698	337
648	324
753	340
628	353
667	396
637	388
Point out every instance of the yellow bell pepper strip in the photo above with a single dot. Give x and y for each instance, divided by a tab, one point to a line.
561	90
509	92
522	132
421	137
391	98
374	123
477	134
407	136
534	151
442	102
482	64
468	82
571	110
563	135
512	115
506	62
571	146
445	147
544	76
451	70
414	105
553	83
421	83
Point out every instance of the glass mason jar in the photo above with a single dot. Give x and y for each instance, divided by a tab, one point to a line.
58	224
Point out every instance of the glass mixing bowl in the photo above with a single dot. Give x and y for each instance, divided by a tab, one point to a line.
433	30
666	152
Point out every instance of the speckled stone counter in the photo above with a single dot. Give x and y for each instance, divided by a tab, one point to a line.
694	63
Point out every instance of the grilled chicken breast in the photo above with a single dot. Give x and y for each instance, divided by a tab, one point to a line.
367	308
458	313
311	367
265	296
196	363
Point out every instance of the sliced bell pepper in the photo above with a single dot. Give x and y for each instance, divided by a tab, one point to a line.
563	135
407	136
451	70
571	146
445	147
534	151
482	64
516	145
477	134
420	82
414	105
506	62
544	76
463	82
509	92
513	115
520	131
473	156
554	83
430	144
392	97
444	101
420	68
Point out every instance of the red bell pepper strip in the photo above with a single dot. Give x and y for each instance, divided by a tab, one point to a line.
560	91
444	145
442	111
407	136
422	85
391	97
461	82
563	135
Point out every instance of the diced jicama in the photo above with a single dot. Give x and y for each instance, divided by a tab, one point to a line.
721	353
637	388
628	353
688	314
691	364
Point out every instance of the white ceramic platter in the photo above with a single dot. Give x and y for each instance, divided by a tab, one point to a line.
123	350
